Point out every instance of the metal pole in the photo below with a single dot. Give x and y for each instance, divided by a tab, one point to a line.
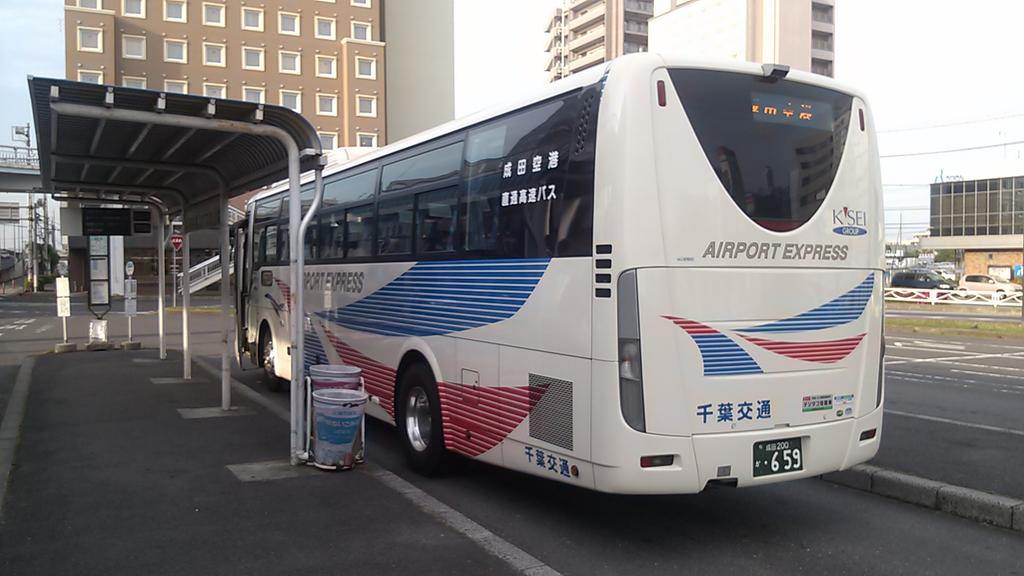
160	281
129	328
298	248
32	238
185	297
225	305
174	274
64	321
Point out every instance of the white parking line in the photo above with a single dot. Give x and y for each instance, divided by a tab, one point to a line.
957	422
952	359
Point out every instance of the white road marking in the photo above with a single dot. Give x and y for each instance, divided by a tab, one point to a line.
957	422
949	359
938	345
957	382
986	344
214	412
976	373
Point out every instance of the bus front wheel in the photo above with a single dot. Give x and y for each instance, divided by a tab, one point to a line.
418	415
274	383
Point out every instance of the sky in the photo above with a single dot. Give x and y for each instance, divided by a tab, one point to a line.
939	75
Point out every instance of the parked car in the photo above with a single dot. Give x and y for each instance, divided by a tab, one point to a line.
920	280
986	283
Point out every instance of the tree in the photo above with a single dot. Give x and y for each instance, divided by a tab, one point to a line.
945	255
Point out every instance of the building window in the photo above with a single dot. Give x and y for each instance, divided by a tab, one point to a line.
133	47
176	86
328	140
176	10
215	90
252	58
366	68
252	94
326	105
366	106
361	31
213	14
90	39
292	100
133	8
325	28
91	4
361	3
91	76
213	54
288	23
176	51
252	19
364	140
289	62
133	82
326	66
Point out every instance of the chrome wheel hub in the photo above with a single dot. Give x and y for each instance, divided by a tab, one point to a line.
417	419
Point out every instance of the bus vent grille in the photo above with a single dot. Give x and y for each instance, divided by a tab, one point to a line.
551	410
583	123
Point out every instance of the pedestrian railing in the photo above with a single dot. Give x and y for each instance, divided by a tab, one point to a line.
972	297
18	157
203	274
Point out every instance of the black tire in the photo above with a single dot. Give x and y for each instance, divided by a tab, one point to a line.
424	448
266	360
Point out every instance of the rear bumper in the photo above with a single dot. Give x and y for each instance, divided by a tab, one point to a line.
827	447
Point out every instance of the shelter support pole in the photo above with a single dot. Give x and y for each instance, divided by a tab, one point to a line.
296	315
186	287
160	280
299	347
225	304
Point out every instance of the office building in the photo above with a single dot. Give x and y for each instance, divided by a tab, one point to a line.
983	218
798	33
585	33
321	58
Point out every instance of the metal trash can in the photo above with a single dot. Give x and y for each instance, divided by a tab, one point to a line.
338	377
337	424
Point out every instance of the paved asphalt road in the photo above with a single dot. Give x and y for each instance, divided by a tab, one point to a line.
954	415
942	315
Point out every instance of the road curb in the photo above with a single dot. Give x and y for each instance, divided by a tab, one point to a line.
968	503
10	426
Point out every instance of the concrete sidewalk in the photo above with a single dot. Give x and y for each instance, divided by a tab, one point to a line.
114	474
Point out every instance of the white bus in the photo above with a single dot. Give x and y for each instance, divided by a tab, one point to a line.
649	277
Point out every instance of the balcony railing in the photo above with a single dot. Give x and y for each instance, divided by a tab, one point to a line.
589	17
588	60
17	157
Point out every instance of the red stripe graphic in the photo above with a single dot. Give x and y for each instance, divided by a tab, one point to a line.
286	294
828	352
378	379
692	328
475	419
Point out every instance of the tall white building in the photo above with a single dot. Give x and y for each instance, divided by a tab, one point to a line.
798	33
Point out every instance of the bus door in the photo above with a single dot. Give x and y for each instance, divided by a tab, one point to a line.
241	290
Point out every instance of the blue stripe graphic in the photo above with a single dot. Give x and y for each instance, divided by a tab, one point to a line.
843	309
722	356
433	298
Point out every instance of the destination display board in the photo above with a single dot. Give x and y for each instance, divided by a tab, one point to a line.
106	222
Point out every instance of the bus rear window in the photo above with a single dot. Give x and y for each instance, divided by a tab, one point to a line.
774	146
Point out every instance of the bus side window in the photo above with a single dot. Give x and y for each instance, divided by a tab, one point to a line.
436	220
520	201
359	231
258	235
269	255
332	234
394	226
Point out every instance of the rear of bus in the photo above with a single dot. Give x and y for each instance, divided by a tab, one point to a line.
739	215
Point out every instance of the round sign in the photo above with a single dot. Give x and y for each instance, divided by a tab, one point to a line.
176	241
129	268
62	268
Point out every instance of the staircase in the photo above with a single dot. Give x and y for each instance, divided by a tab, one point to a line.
203	274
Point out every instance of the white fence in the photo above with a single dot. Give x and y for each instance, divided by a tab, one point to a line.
970	297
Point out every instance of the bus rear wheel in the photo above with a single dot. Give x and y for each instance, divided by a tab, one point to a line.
418	415
273	382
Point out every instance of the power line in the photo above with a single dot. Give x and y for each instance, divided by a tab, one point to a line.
968	149
961	123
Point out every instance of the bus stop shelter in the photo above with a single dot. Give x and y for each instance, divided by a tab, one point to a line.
182	155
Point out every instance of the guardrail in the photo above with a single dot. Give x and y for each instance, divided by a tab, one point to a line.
994	299
18	157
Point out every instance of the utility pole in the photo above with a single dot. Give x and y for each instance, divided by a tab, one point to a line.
32	238
46	236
